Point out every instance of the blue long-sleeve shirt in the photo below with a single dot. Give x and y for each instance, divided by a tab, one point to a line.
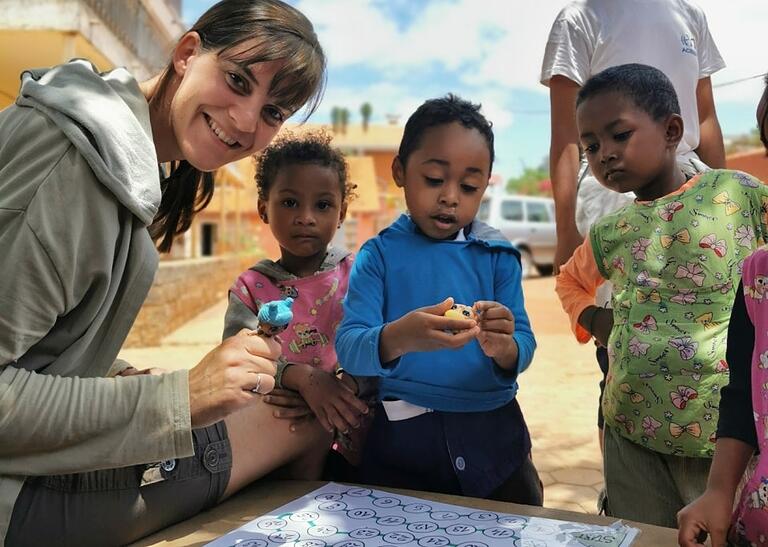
400	270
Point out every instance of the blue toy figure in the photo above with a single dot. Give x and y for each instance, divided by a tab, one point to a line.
275	316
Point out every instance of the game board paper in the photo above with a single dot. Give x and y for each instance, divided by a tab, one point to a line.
336	515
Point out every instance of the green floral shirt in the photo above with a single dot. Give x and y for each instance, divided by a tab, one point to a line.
675	264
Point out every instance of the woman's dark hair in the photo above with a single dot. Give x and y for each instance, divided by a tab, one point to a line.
278	31
647	87
310	147
442	111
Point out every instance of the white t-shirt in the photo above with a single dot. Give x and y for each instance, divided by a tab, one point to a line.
589	36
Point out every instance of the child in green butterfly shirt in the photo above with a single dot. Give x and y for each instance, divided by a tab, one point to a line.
674	257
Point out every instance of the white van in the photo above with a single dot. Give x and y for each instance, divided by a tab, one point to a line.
529	223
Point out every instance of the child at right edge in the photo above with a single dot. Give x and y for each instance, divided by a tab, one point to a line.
675	258
448	420
743	426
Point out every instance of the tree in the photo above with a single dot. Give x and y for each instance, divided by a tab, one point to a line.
335	118
743	143
344	119
365	111
529	182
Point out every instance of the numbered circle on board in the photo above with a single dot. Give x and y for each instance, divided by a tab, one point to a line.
350	543
250	543
332	506
328	497
386	502
434	541
361	514
472	544
284	536
398	538
311	543
444	515
460	529
390	520
304	516
417	508
483	517
541	529
322	531
272	524
364	533
499	533
516	523
359	492
422	527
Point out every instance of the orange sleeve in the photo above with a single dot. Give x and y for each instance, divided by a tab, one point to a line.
576	285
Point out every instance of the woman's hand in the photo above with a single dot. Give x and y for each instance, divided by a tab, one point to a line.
225	380
710	513
425	329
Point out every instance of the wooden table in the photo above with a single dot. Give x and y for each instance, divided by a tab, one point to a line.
262	497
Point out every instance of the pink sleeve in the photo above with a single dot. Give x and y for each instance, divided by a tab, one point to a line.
240	288
576	285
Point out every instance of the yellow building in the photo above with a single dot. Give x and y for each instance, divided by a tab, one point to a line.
136	34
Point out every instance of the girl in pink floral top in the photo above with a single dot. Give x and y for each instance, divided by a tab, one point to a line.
303	196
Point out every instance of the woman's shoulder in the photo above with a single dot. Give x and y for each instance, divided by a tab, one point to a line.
30	149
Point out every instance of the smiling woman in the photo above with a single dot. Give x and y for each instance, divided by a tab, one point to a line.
94	452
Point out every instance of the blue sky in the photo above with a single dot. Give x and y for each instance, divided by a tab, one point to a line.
396	53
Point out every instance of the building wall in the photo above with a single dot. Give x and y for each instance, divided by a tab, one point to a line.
136	34
182	289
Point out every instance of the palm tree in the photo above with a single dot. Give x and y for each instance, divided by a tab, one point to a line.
344	119
335	118
365	111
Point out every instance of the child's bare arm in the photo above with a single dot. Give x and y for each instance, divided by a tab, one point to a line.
711	512
332	402
576	286
598	322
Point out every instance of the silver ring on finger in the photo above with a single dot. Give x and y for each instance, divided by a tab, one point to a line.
258	385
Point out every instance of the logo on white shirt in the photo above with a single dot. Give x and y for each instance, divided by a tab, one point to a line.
689	43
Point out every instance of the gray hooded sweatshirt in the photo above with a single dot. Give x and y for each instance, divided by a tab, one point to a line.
78	187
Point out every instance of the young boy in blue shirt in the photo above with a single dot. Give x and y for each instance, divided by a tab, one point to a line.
448	421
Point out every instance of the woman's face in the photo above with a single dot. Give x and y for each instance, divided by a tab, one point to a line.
221	111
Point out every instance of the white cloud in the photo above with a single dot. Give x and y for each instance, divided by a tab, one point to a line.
448	33
502	42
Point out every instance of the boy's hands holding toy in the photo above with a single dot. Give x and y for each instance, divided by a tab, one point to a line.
332	402
497	325
425	329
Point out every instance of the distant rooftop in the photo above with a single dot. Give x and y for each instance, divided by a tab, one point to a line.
375	138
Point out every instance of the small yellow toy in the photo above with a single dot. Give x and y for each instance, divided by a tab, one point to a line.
461	311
